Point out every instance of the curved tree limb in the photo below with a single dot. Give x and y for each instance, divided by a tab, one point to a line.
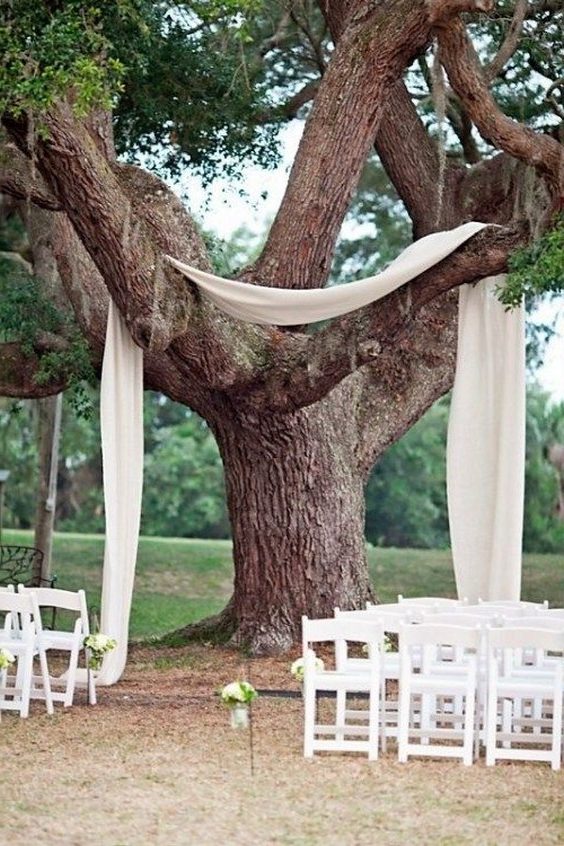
462	65
510	42
18	180
18	373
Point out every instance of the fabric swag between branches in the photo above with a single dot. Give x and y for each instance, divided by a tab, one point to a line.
486	441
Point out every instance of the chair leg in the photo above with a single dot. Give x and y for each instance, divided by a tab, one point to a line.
383	740
426	700
309	719
469	717
557	732
46	681
480	723
26	677
491	727
71	677
508	706
373	724
340	718
403	722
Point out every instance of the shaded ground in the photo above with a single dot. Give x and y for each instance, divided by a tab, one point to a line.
156	764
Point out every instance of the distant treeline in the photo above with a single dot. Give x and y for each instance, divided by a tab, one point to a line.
184	493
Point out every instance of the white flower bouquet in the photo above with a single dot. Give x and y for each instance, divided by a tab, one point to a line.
238	693
298	668
6	658
98	645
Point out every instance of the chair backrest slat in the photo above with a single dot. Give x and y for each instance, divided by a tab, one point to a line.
435	601
524	637
440	635
341	628
55	598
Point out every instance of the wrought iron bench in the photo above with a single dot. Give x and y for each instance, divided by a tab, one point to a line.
22	565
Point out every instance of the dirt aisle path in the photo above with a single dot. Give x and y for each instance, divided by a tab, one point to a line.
156	764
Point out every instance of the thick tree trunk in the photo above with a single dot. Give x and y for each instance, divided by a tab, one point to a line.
296	502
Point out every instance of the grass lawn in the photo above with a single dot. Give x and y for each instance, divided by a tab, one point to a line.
179	581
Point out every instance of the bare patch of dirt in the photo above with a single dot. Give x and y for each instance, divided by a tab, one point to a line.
156	764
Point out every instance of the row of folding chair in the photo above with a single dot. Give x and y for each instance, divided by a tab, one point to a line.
448	689
25	637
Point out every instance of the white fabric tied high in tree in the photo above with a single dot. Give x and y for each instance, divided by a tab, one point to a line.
479	522
288	307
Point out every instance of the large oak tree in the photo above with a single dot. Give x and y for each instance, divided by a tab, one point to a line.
300	417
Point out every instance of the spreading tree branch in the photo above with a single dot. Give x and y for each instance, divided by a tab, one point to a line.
468	81
510	42
18	179
18	372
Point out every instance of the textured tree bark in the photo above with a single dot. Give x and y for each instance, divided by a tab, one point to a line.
296	502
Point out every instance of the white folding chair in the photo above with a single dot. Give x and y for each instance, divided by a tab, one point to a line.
469	621
434	683
65	641
344	736
22	625
391	617
441	602
512	681
494	610
515	603
552	613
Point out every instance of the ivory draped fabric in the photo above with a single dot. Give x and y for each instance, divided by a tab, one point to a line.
486	445
289	307
485	519
121	417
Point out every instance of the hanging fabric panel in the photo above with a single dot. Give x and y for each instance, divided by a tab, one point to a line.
486	445
121	417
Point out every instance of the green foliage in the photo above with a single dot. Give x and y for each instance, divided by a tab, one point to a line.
26	312
194	95
184	493
406	492
537	269
182	78
18	454
24	308
543	531
50	49
520	93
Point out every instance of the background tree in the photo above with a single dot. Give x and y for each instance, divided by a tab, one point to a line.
299	417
